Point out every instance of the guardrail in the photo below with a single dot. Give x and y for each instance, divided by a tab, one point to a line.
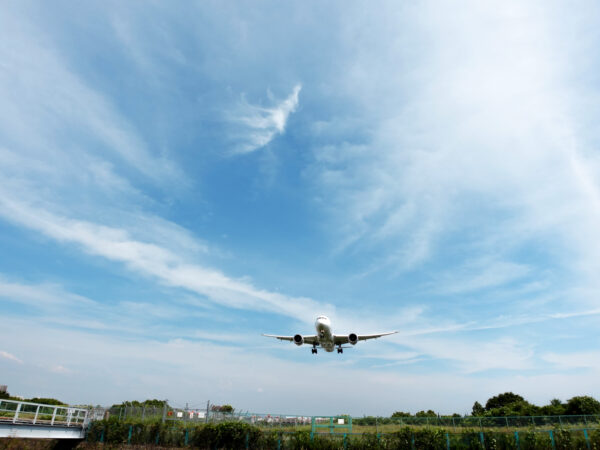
19	412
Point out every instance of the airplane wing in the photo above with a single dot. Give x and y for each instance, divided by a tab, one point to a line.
310	340
344	339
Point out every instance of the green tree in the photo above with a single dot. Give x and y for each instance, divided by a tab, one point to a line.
501	400
477	410
518	408
582	405
428	413
554	408
222	408
147	403
45	401
400	414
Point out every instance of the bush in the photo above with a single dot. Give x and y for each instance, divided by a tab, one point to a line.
366	441
583	405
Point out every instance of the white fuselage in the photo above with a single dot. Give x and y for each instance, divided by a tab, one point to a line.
324	333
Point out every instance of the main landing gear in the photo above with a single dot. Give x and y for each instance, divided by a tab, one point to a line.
340	349
314	349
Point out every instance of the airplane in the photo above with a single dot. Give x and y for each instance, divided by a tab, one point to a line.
326	339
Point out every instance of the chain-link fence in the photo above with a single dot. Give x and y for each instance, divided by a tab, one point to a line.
471	422
232	435
168	413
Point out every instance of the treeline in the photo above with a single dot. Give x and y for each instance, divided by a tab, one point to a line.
150	403
510	404
44	400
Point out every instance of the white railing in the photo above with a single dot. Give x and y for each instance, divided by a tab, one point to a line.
18	412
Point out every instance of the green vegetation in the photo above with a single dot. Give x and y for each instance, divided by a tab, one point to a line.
428	413
236	435
510	404
154	403
222	408
44	400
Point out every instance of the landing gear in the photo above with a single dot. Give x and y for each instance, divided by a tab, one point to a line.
314	349
340	349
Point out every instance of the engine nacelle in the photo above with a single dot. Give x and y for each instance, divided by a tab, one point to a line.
298	339
353	338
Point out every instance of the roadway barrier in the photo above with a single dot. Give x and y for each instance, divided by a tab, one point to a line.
19	419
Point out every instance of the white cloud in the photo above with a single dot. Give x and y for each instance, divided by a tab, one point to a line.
47	296
10	357
261	124
474	150
479	275
60	369
153	260
43	99
574	360
131	368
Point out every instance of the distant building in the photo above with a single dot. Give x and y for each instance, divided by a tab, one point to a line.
3	388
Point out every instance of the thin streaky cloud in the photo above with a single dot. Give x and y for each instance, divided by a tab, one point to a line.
34	115
159	262
260	125
10	357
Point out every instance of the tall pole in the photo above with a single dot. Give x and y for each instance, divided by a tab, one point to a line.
207	410
164	417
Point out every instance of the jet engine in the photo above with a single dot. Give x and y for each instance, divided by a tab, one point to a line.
298	339
353	338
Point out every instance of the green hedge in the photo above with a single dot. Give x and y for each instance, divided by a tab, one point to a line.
237	435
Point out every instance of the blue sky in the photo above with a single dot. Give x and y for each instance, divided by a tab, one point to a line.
177	179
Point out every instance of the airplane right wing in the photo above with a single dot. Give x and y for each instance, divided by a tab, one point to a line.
360	337
364	337
310	340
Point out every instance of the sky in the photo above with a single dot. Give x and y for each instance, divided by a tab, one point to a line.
178	178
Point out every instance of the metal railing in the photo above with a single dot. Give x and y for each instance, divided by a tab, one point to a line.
19	412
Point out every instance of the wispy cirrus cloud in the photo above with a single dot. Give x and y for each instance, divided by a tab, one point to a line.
45	99
259	125
475	154
159	262
574	360
10	357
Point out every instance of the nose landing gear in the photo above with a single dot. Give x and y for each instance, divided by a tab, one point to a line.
314	349
340	349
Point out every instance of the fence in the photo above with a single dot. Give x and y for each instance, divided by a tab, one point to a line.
507	422
18	412
195	415
244	436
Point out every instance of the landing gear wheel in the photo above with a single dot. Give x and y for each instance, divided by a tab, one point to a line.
340	350
313	351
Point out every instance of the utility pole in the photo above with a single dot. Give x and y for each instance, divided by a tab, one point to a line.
164	417
207	410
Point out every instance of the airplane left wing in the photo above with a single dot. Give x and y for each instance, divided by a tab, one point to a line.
310	340
345	339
